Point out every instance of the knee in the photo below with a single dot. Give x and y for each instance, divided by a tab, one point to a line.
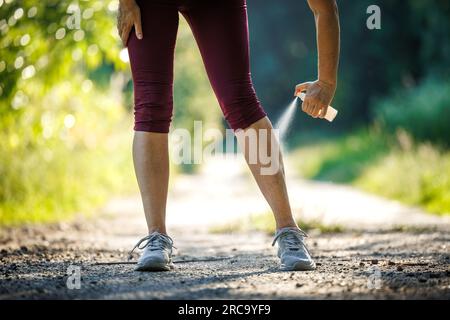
153	106
240	105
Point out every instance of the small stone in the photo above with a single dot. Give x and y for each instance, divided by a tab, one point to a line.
233	249
374	261
23	249
399	268
391	263
361	264
299	285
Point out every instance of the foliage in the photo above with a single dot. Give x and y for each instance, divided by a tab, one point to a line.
65	139
419	176
57	160
342	159
423	111
392	166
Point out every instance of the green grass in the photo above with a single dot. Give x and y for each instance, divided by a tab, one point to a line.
419	176
264	222
42	189
391	166
340	159
52	169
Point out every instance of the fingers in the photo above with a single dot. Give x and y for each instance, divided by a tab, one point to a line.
301	87
138	25
125	33
126	21
307	106
316	111
314	108
323	111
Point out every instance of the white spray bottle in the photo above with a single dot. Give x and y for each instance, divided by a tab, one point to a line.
331	112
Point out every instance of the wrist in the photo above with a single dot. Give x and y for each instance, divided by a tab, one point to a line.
328	84
328	81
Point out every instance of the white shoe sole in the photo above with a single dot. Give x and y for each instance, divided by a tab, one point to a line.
154	266
300	266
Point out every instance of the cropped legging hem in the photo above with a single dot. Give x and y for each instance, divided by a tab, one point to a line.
164	126
220	29
152	126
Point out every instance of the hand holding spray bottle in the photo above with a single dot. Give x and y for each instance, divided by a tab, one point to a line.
331	112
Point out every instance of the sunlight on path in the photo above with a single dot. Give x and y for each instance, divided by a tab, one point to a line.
224	191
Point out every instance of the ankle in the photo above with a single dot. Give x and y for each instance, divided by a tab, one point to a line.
292	224
161	230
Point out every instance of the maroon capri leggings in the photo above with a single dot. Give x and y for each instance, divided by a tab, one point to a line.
221	31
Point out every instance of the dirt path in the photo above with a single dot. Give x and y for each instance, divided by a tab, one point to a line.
368	261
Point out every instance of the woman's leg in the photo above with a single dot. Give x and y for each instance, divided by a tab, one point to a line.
151	164
273	183
152	68
220	28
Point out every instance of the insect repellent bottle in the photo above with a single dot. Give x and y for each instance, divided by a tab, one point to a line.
331	112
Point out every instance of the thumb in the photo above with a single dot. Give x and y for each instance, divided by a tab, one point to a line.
138	27
301	87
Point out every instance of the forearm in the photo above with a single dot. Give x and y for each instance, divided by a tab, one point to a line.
328	34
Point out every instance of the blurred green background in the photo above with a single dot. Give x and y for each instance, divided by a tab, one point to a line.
66	101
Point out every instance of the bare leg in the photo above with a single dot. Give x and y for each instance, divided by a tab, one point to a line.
272	186
151	164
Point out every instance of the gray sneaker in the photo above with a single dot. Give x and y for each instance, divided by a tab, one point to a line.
157	254
292	250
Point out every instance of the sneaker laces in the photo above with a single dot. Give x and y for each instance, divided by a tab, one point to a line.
156	241
293	238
